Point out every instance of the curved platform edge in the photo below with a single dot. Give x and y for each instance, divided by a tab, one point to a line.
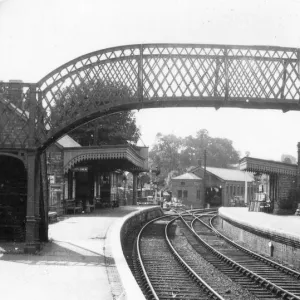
131	289
269	235
266	225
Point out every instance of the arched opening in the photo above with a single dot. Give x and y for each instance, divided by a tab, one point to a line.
13	198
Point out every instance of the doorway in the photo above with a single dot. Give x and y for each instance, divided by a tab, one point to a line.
13	198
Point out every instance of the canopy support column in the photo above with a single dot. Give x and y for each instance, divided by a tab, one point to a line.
33	198
134	188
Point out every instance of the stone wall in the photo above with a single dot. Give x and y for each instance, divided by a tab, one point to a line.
286	250
138	220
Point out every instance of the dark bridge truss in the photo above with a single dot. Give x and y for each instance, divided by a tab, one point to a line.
145	76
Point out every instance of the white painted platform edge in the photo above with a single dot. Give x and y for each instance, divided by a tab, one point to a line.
130	286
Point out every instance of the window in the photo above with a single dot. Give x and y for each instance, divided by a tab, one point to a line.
227	190
185	194
182	183
243	190
198	194
234	190
238	190
179	194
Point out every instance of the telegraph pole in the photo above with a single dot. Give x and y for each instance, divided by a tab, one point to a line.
204	176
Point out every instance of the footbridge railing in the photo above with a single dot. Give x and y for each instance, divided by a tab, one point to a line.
163	75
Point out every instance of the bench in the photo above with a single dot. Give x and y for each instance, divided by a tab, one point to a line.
71	205
266	207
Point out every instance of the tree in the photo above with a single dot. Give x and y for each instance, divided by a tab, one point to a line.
175	155
289	159
165	154
119	128
142	179
219	151
88	96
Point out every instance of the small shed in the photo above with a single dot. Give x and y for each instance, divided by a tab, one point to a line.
188	189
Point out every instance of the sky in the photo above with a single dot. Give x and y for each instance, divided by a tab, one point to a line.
38	36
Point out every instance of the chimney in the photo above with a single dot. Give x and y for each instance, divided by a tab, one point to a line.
15	92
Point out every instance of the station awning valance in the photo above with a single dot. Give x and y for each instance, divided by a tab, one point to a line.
267	166
73	156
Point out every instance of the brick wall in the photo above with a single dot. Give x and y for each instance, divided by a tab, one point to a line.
285	184
14	128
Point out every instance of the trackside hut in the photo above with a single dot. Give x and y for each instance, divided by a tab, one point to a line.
229	182
187	188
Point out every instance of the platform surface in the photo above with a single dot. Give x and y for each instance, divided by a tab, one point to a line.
286	226
83	261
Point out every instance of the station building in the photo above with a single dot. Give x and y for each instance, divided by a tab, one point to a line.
221	185
92	175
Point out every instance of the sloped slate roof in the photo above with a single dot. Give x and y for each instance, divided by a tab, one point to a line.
187	176
230	174
67	142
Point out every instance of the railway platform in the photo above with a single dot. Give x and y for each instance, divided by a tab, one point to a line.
270	235
83	260
285	226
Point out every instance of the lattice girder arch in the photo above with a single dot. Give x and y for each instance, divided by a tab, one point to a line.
166	75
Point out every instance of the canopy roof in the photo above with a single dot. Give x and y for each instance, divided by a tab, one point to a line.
73	156
267	166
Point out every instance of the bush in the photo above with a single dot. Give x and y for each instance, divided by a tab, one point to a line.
291	201
285	203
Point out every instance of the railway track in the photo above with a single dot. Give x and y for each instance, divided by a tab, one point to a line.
262	277
162	272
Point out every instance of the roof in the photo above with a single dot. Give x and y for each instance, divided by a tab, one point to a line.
231	174
252	164
188	176
67	142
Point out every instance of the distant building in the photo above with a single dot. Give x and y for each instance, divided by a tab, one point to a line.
221	186
225	184
188	189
